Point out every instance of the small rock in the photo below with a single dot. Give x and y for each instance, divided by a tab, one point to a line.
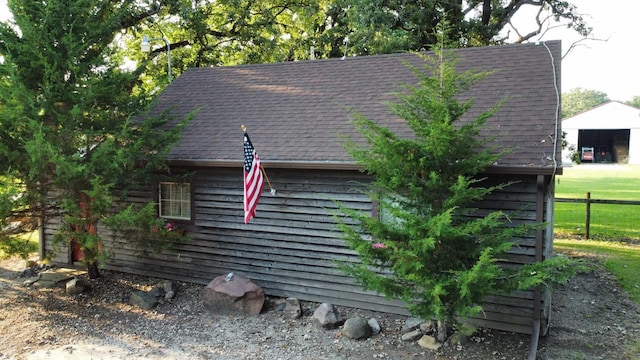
280	306
76	286
292	308
356	328
429	342
30	281
143	299
412	336
458	339
28	273
326	316
427	327
411	324
169	295
168	286
374	325
156	292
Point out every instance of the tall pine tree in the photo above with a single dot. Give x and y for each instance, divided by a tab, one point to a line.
66	119
425	249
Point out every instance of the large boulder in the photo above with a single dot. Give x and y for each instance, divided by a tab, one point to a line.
233	293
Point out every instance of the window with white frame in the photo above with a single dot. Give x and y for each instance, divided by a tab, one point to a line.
175	200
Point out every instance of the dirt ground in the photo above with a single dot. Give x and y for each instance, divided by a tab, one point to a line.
592	318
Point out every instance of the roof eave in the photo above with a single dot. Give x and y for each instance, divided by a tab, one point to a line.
347	165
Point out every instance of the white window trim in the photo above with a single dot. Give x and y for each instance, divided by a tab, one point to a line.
181	201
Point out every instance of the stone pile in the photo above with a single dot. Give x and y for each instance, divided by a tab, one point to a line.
424	333
235	293
147	300
45	276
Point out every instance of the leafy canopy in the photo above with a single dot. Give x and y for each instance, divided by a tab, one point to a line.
579	100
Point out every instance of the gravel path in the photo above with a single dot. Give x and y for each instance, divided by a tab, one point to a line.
592	318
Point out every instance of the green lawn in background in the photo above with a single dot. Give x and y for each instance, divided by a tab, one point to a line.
603	181
23	246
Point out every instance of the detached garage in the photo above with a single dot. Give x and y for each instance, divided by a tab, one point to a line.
609	133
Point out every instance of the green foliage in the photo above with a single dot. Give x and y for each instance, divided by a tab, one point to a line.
22	245
579	100
429	250
213	33
70	117
143	228
634	102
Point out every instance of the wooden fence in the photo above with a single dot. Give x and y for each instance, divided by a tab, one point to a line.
588	201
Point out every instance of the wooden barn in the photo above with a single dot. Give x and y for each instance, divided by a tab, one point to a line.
296	114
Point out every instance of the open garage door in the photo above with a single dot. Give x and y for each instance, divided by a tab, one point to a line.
609	145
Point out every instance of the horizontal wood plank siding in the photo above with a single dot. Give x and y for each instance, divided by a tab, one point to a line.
292	246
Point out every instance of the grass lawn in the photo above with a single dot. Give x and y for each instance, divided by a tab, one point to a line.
24	246
609	222
603	181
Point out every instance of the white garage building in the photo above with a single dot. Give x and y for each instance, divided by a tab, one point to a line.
610	131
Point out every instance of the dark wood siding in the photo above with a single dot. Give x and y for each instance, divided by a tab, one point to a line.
292	249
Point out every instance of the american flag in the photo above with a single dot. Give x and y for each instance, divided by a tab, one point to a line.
253	180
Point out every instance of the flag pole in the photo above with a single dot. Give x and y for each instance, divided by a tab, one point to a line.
271	189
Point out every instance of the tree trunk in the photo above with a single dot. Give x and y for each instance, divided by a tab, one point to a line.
92	270
442	331
91	264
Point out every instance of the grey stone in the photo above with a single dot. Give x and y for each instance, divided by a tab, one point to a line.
458	339
356	328
412	335
280	306
40	284
238	294
374	325
30	281
411	324
326	316
168	286
427	327
60	275
169	295
143	300
429	342
156	292
292	308
76	286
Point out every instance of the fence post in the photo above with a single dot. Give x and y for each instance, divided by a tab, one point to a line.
588	222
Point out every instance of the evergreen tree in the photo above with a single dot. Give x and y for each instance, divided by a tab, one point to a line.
427	249
69	139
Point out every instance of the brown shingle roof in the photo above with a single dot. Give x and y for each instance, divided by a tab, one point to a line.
295	112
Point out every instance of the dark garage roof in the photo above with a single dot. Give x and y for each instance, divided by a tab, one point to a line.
296	112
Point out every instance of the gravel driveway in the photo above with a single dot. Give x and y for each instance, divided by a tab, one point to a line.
592	318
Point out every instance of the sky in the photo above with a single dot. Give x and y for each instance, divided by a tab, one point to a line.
610	64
